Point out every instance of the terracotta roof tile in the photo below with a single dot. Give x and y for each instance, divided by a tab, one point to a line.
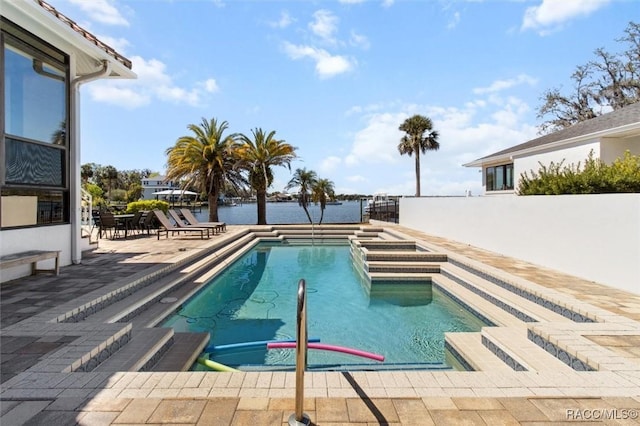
86	34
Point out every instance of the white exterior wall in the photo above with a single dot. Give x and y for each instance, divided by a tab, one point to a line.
613	148
40	238
595	237
571	155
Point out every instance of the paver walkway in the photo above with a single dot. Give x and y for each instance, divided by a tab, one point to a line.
181	403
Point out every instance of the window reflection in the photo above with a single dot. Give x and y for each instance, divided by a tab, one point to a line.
34	98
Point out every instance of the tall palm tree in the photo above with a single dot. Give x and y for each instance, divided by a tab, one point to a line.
258	154
322	191
205	160
419	137
304	180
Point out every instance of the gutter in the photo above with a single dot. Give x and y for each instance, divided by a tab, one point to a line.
76	220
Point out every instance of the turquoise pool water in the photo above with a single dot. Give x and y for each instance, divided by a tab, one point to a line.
255	299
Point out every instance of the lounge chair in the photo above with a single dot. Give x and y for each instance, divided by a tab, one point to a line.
166	226
182	224
191	219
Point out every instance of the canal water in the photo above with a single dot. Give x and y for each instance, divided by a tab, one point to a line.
286	213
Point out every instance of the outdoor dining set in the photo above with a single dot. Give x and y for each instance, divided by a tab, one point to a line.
154	221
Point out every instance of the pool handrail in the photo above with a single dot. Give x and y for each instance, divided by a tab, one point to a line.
299	417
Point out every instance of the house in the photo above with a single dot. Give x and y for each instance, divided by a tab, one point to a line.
608	136
156	184
47	57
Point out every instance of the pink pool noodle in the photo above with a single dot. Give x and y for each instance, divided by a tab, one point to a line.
325	347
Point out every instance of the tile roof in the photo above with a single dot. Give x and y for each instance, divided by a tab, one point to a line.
86	34
614	119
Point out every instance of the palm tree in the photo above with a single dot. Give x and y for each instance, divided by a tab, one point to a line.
416	141
322	190
205	160
258	154
304	180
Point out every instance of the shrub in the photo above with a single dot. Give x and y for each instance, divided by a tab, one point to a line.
595	178
147	205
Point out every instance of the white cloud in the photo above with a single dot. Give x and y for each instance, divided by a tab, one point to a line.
325	25
101	11
551	14
500	85
327	65
359	40
128	98
284	21
351	1
330	164
153	82
454	21
387	3
210	85
377	142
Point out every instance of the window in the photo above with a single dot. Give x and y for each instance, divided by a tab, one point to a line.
499	178
34	165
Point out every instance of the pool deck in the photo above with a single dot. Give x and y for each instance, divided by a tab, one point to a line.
557	395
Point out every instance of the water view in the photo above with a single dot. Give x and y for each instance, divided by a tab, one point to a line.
286	213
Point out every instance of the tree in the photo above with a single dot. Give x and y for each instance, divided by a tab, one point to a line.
205	160
86	172
321	192
304	180
608	81
110	174
419	137
258	154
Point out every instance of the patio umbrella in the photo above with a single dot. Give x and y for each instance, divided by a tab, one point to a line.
175	192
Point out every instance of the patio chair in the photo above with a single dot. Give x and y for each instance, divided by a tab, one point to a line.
148	222
108	223
135	224
192	220
180	222
166	226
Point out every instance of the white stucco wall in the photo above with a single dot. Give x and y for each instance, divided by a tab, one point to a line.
40	238
570	155
596	237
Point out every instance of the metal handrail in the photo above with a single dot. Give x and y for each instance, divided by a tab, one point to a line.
299	417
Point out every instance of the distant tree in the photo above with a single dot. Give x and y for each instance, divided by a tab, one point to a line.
86	172
109	174
611	80
304	180
322	191
205	160
420	137
258	154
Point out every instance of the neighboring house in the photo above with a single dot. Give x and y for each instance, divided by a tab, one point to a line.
45	58
156	184
608	136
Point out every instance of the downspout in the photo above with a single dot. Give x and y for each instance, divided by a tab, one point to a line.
74	148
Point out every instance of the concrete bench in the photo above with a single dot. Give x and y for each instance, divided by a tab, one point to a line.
32	257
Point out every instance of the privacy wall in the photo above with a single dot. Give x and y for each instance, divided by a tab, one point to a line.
595	237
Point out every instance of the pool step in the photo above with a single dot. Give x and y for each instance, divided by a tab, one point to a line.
512	344
402	267
470	348
183	352
476	303
402	256
388	277
145	346
502	298
388	245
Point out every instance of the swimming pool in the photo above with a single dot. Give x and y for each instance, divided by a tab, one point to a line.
255	299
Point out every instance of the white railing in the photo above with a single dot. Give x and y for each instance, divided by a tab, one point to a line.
86	218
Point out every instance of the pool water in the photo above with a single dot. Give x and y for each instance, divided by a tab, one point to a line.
255	299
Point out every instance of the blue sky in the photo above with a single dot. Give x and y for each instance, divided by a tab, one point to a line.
337	78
